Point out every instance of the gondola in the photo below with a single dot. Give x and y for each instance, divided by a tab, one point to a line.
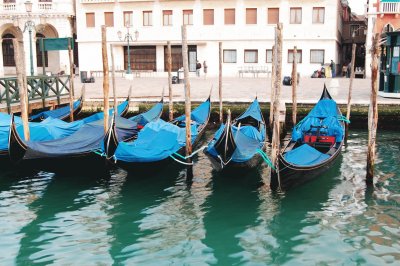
80	148
158	142
61	113
314	146
50	128
238	143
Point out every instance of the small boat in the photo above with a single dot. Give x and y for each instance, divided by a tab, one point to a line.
50	128
79	148
239	143
158	141
61	113
314	146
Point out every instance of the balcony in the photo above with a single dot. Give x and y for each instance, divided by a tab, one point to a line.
45	5
8	6
390	7
96	1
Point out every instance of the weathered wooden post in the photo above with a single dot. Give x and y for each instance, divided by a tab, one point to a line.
352	74
221	119
373	112
169	67
294	87
71	80
105	76
277	87
113	78
187	93
19	56
273	73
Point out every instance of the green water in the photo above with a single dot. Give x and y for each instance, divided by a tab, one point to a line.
158	219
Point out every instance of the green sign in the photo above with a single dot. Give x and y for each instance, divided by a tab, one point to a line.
56	44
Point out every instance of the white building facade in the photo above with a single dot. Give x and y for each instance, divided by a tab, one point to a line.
52	19
245	28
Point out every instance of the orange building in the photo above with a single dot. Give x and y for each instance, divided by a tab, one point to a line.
383	16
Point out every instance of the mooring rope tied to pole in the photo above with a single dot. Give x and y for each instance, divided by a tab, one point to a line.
190	156
184	163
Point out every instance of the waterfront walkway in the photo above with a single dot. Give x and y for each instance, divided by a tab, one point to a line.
234	89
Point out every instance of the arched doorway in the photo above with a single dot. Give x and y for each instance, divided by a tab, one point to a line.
39	53
8	50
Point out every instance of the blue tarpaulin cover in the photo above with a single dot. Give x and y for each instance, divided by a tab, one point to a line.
247	138
48	129
305	155
88	138
324	114
57	113
159	139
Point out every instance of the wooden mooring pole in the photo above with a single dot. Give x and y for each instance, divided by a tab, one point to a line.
373	112
294	87
187	94
352	74
113	79
106	87
277	87
273	73
71	80
169	67
220	55
19	57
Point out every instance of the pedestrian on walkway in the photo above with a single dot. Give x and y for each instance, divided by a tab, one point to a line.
198	67
349	69
205	69
333	69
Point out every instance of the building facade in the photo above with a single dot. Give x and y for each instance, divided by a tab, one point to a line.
383	16
51	19
245	28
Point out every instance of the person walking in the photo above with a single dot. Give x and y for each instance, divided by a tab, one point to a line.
333	69
205	69
198	67
349	69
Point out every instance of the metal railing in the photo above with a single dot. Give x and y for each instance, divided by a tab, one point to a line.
39	88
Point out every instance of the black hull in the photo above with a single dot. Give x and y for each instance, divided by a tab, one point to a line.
234	166
87	163
294	176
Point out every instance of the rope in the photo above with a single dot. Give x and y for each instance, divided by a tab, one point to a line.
222	162
265	158
190	156
344	119
98	152
176	160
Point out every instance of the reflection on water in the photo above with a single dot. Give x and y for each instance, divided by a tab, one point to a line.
159	218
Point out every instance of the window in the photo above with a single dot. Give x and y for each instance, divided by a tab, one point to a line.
39	55
251	56
8	50
273	15
317	56
167	17
128	18
187	17
208	16
318	15
354	29
268	56
147	18
109	19
290	56
90	22
251	15
230	16
295	15
229	56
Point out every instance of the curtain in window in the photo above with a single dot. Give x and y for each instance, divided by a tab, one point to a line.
250	56
317	56
229	56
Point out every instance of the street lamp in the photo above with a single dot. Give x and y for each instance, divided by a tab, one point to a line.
128	37
29	25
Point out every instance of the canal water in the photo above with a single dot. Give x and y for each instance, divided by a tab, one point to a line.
160	219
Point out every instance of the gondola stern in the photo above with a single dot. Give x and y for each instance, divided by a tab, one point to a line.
16	146
110	140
